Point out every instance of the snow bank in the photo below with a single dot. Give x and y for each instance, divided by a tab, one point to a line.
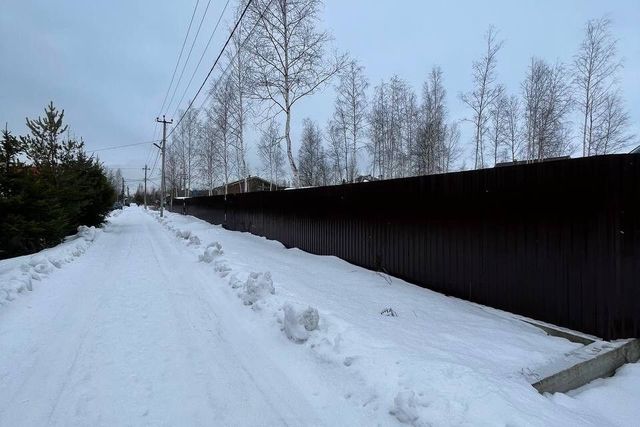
255	289
22	272
615	399
399	352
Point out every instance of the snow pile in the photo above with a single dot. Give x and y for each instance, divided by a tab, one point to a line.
297	325
211	252
257	287
405	408
235	282
183	234
21	273
86	233
221	267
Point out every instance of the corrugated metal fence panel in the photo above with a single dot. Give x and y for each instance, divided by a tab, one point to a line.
556	241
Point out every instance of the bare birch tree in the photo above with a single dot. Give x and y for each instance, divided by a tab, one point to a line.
452	149
595	68
220	115
485	90
337	153
392	128
497	130
289	60
271	154
185	140
513	127
612	132
378	128
311	156
429	150
350	115
208	155
173	171
547	105
395	151
240	76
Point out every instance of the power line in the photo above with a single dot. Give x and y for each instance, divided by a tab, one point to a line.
155	162
115	168
184	66
228	67
195	70
114	147
151	150
218	58
184	42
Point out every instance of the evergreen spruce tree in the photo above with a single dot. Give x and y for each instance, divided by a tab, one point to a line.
62	188
43	145
30	215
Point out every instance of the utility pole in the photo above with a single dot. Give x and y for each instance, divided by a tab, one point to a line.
145	186
162	152
122	191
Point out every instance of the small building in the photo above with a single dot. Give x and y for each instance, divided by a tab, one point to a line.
365	178
248	185
525	162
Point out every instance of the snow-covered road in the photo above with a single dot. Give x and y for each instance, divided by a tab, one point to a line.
141	324
124	339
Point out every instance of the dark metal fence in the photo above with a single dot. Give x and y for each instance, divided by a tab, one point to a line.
556	241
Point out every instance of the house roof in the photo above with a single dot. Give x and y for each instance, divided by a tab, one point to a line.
250	179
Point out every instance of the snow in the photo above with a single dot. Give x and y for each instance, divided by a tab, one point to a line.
613	399
151	327
297	325
257	287
211	252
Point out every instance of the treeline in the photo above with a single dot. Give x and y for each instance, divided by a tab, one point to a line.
279	56
48	186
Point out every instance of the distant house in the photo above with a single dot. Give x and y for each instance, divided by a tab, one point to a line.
247	185
365	178
524	162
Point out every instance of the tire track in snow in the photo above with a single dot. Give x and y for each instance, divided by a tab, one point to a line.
196	311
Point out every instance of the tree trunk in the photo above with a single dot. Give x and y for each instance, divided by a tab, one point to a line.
292	163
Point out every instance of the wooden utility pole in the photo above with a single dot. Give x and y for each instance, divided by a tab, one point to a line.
162	152
145	186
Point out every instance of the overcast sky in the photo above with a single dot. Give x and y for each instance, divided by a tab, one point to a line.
109	63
